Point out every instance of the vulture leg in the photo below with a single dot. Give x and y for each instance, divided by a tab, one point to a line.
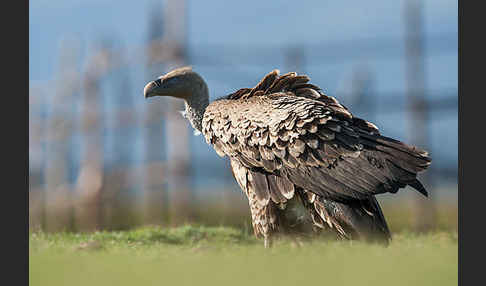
320	217
267	242
264	218
264	212
358	219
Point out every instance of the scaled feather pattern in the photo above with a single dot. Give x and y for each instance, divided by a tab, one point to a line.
289	142
285	135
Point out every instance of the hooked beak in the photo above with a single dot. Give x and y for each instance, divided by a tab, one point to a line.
153	88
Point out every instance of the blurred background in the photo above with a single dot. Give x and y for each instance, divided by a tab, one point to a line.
103	157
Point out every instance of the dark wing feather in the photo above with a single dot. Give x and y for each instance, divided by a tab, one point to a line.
286	127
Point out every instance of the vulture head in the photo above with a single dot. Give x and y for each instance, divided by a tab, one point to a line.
181	83
185	84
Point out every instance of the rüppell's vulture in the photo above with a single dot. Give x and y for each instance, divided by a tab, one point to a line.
286	139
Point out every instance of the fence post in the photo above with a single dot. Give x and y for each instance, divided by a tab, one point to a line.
154	192
36	159
120	177
363	98
295	59
88	210
418	109
178	153
58	201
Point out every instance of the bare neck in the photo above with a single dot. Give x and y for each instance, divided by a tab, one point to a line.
196	105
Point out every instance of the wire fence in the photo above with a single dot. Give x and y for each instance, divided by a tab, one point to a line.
103	158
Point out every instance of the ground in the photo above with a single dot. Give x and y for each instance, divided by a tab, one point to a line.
198	255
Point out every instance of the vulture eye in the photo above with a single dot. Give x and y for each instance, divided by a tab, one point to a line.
171	80
167	82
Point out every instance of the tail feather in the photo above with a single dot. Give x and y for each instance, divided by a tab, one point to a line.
419	187
406	160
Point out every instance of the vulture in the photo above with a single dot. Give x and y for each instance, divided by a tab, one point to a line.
286	139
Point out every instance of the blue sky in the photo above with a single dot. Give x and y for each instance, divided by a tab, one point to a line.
218	21
252	23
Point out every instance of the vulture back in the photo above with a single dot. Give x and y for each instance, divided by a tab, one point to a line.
288	127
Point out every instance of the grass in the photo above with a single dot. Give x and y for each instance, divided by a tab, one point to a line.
198	255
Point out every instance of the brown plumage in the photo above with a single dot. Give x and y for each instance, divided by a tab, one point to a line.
285	138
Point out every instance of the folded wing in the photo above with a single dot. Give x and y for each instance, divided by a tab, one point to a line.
287	128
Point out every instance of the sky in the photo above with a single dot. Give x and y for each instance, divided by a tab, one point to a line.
218	21
338	36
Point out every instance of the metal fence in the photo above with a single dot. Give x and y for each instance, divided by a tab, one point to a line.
102	158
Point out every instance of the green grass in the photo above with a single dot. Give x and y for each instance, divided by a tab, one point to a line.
196	255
